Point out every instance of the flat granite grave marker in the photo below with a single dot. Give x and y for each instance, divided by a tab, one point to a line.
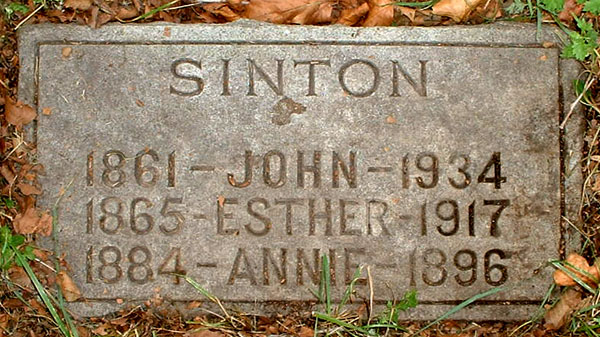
240	154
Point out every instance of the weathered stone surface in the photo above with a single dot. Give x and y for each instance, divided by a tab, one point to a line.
239	154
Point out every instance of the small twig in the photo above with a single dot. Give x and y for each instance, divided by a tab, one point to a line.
30	15
574	104
183	6
6	215
45	265
370	294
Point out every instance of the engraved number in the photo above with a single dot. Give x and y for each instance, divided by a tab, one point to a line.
448	214
469	264
113	175
110	271
434	260
497	179
107	225
174	259
139	264
427	162
139	270
435	271
177	215
137	226
142	171
499	268
466	163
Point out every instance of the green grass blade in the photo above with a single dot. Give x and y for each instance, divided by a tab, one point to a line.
326	280
349	289
199	288
414	4
461	306
559	265
57	267
43	294
388	326
205	293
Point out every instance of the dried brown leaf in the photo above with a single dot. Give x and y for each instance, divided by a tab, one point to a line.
30	222
7	173
18	276
570	8
18	113
381	13
458	10
82	5
222	10
277	11
578	262
125	13
27	189
306	332
102	330
557	316
315	15
69	288
351	16
408	12
204	333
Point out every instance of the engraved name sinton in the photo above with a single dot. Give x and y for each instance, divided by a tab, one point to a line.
274	76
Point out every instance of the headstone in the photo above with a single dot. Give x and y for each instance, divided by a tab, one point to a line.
241	154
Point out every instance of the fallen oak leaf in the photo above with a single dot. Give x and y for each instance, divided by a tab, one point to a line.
323	13
30	222
457	10
410	13
381	13
18	113
27	189
579	267
276	11
570	8
221	10
82	5
69	288
351	16
556	317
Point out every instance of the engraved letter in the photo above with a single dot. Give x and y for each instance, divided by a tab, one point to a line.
365	93
314	216
175	71
252	67
349	171
420	88
267	224
280	270
267	169
311	72
221	216
315	169
379	217
247	273
289	203
225	91
247	175
302	261
351	266
345	216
